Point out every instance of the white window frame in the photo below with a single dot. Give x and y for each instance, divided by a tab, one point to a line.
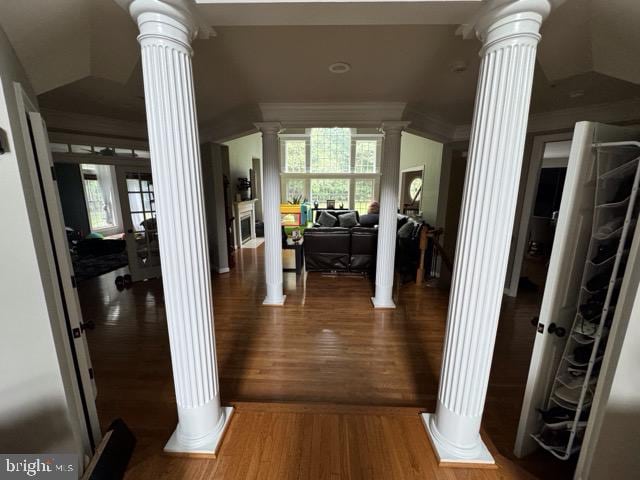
351	176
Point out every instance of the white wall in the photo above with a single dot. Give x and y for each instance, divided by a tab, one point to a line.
420	152
241	153
35	392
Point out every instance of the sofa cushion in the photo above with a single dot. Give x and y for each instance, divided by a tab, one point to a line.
348	220
327	220
369	220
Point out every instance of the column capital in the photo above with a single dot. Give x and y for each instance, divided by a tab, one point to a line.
507	19
394	126
176	20
272	128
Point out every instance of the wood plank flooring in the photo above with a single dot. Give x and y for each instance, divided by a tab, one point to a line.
326	346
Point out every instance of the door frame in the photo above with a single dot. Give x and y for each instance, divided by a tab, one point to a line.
73	362
416	168
533	176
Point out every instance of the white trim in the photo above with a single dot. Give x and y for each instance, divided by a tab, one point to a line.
332	114
82	124
533	174
565	119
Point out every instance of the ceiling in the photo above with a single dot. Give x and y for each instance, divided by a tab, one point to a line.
88	62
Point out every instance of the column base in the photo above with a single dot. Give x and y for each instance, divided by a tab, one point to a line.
382	303
208	448
450	456
224	270
274	303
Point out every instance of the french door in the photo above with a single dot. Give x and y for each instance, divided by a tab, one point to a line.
137	198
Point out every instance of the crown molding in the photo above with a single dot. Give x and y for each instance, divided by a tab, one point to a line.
428	125
364	114
80	123
235	123
565	119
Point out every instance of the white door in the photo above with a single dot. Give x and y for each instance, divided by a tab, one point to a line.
137	199
66	279
558	307
559	302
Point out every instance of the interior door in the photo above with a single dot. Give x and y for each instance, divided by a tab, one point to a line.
137	199
66	279
566	264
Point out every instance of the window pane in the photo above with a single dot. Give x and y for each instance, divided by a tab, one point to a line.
295	156
81	149
135	202
330	150
330	189
59	147
415	188
365	156
99	196
133	185
136	220
294	188
363	195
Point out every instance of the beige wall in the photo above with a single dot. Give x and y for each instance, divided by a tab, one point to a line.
420	152
241	152
37	409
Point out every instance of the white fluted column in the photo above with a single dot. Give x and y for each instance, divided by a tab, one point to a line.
387	223
271	212
510	36
166	30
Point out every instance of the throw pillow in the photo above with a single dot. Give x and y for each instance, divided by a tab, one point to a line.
406	230
327	220
348	220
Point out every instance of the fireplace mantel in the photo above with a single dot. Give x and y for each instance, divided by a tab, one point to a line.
242	210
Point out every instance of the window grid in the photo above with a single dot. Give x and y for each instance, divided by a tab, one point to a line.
330	150
363	194
323	189
295	156
365	156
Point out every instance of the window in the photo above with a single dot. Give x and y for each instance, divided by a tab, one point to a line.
363	195
415	189
339	164
294	188
323	189
295	156
101	198
330	150
365	161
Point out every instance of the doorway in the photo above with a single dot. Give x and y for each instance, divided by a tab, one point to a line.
411	180
541	202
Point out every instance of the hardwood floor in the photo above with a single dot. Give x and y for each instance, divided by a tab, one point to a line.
326	346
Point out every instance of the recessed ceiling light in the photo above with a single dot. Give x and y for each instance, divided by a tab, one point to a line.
339	67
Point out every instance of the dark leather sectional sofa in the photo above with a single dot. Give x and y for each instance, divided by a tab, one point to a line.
341	249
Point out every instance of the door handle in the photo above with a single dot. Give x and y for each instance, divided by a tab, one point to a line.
559	331
90	325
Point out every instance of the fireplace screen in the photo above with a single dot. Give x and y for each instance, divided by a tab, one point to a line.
245	229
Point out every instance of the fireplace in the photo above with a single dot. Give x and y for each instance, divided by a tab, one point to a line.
244	224
245	229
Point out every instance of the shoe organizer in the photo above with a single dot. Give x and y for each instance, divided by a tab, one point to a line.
614	221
